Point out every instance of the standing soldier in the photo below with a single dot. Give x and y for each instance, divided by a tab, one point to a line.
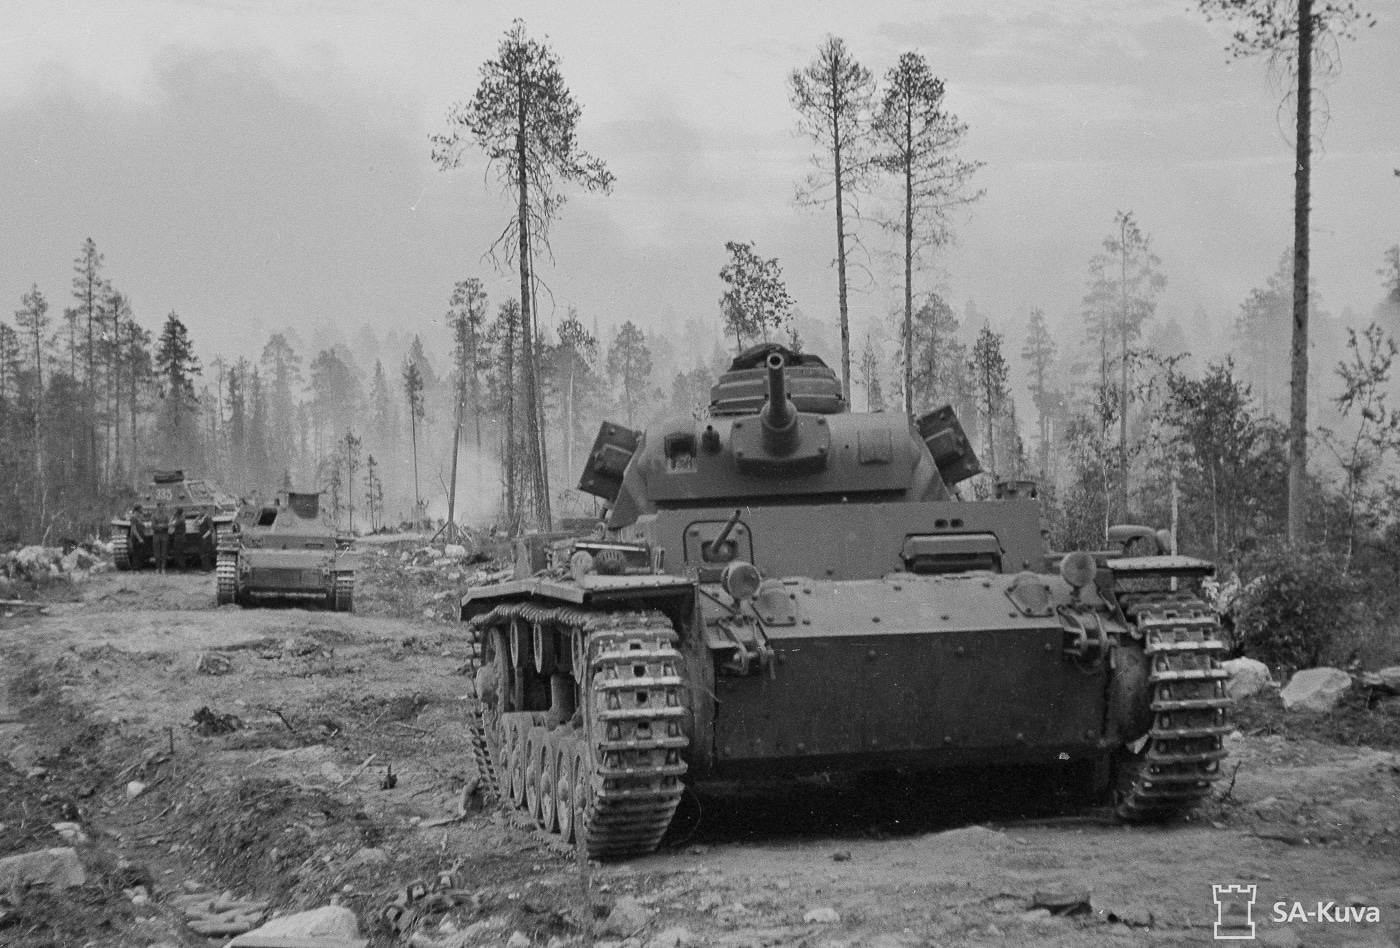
206	540
160	535
177	538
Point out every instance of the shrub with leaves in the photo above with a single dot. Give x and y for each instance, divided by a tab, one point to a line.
1296	606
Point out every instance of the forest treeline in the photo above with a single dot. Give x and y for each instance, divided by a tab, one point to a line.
1118	419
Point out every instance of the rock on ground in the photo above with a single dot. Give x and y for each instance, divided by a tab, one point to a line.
826	915
333	924
674	937
1316	689
58	867
626	917
1248	676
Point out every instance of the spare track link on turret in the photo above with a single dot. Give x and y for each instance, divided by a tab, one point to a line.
1191	709
622	768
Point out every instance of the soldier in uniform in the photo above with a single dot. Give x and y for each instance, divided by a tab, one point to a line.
177	538
160	535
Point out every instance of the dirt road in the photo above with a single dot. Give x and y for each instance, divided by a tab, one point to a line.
332	760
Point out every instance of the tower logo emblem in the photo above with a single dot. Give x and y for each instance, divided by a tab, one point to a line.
1234	911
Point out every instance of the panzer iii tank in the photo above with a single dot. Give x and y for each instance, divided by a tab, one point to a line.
785	588
207	511
282	552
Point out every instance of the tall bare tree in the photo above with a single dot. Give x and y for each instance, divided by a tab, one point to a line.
1039	351
1124	280
467	319
32	319
917	142
833	97
525	119
413	391
1297	36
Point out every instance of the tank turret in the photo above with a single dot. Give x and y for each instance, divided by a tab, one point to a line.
777	430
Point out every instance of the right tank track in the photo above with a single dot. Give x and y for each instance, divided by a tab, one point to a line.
608	779
121	550
1171	769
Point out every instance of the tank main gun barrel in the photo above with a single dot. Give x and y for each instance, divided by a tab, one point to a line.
780	434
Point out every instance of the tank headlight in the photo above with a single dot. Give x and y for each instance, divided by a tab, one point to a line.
1078	569
741	580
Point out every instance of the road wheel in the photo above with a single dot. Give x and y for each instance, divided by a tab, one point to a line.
564	753
582	797
534	760
517	764
549	782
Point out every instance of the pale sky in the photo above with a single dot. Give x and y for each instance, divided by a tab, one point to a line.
254	165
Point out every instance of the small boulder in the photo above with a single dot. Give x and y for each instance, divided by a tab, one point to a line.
676	936
368	856
1316	689
455	551
518	939
1248	676
825	915
333	924
1387	679
212	663
58	867
626	917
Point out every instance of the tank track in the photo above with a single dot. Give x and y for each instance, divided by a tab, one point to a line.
226	579
610	779
121	550
343	592
1173	769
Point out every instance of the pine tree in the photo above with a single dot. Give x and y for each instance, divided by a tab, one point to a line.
525	119
573	366
281	368
629	364
1039	351
33	321
917	141
990	371
413	392
176	368
833	98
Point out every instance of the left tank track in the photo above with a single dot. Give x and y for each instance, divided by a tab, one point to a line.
1173	768
608	779
226	578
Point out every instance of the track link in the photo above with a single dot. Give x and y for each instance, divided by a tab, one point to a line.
226	578
609	780
1174	768
343	592
121	550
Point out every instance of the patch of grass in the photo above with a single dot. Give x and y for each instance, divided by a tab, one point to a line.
1352	723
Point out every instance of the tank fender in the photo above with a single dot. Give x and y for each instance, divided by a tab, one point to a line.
1129	704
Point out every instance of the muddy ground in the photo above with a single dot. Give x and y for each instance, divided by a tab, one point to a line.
284	794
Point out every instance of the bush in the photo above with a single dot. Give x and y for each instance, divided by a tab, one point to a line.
1295	606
